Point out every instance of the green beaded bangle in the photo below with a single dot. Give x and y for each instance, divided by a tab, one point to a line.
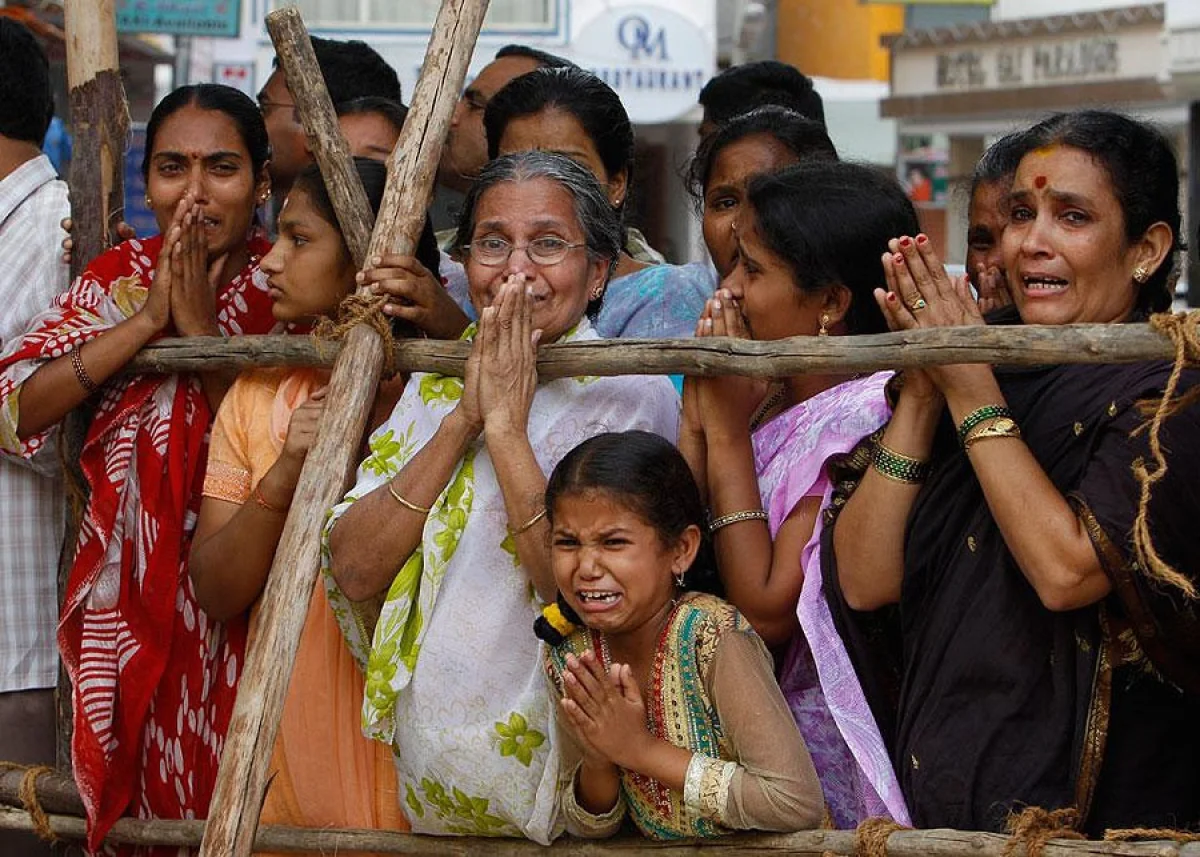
987	412
898	467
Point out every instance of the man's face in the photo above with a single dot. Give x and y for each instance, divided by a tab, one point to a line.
466	147
289	148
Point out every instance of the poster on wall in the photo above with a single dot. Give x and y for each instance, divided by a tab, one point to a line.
923	167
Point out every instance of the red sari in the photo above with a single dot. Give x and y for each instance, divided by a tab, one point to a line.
154	680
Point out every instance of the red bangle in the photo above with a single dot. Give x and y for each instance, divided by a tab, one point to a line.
257	496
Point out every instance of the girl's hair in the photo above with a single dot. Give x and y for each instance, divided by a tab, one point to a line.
831	221
647	475
1144	174
805	138
999	162
238	106
600	222
374	179
572	90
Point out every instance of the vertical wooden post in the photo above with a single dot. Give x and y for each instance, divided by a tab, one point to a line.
100	122
241	782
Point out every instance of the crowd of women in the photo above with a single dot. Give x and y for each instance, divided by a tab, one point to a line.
758	606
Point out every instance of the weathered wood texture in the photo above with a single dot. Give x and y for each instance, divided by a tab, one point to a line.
909	843
56	792
325	140
99	123
1018	346
242	779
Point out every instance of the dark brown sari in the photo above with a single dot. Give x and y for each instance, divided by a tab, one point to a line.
996	702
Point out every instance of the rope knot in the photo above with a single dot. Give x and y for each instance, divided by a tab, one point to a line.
354	310
871	836
27	793
1033	827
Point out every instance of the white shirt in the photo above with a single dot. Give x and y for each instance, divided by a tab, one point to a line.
32	203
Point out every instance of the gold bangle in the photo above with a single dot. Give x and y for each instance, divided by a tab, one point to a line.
736	517
999	427
528	525
85	380
257	496
407	504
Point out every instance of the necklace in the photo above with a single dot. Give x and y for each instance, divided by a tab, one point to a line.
769	404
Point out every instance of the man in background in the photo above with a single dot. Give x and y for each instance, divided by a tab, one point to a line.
742	88
32	203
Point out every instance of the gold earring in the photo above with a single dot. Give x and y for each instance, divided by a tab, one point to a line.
824	331
1140	274
597	292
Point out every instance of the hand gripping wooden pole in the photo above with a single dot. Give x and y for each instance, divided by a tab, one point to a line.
242	779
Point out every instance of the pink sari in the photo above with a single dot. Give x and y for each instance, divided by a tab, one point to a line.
817	677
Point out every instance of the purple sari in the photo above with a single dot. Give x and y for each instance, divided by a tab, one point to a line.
817	676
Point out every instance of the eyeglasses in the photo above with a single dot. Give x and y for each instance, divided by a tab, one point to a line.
265	106
494	252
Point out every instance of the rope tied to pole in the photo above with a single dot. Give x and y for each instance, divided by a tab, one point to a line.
356	309
27	792
1152	834
871	836
1031	828
1183	329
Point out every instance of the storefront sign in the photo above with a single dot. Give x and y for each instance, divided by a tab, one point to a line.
180	17
656	59
1028	62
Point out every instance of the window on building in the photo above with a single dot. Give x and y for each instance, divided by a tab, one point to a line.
512	15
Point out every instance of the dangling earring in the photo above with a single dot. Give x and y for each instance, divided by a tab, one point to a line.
1140	274
824	330
679	578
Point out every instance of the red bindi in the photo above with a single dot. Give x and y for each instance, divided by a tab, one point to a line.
1039	182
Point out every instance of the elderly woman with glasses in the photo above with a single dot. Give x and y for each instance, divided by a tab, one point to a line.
446	525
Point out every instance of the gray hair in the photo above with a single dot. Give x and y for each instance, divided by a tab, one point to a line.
600	222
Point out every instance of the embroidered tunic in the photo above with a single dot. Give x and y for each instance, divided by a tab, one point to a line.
714	693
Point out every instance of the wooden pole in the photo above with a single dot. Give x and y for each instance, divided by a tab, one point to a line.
812	843
1024	345
242	779
325	140
100	124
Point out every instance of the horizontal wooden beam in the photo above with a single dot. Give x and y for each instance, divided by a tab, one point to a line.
812	843
1023	345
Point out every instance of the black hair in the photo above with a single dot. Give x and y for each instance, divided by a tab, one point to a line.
742	88
577	92
999	163
1144	173
600	222
804	137
374	179
26	98
546	60
646	474
353	69
238	106
831	221
391	110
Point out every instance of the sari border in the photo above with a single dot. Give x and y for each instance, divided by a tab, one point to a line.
1095	734
1121	573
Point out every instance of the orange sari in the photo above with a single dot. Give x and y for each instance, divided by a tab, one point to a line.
326	773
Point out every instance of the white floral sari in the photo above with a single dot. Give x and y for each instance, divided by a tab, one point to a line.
454	676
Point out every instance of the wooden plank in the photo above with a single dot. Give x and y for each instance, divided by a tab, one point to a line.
813	843
100	124
325	140
242	779
1016	346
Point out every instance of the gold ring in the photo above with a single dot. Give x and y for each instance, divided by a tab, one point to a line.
917	304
